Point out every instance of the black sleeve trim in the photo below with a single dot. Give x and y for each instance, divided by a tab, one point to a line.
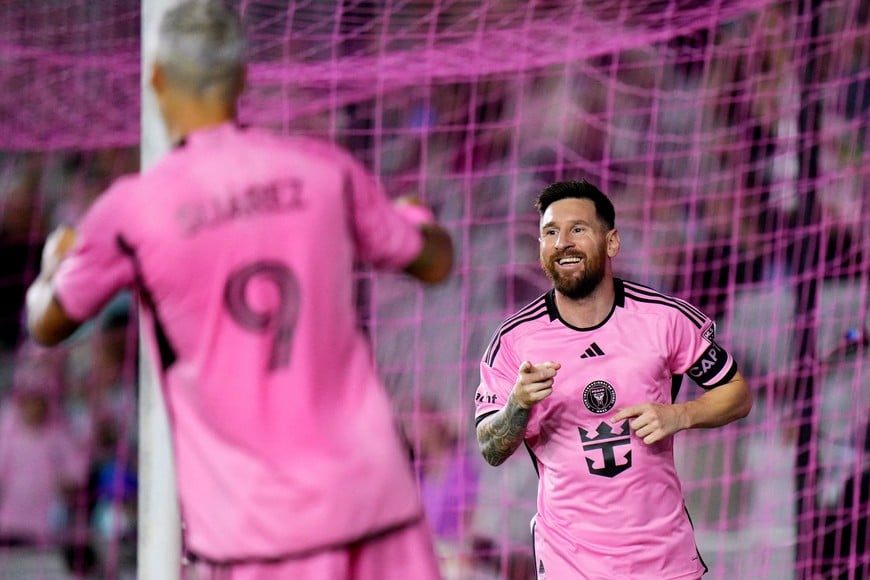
477	420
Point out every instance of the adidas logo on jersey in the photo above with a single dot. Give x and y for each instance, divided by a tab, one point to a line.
593	350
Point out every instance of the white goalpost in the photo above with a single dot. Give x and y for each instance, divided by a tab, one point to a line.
159	533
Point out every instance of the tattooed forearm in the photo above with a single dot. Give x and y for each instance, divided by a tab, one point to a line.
500	434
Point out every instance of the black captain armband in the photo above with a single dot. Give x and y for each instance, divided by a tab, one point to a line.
711	368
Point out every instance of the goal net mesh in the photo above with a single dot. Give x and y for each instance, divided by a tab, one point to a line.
732	136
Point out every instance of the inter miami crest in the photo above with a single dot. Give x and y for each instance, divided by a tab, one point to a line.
599	397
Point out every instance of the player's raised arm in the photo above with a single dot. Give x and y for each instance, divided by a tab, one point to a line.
47	321
435	259
501	433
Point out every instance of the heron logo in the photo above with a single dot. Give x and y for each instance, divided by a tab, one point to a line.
599	397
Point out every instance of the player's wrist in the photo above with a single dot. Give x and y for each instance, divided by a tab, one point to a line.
683	413
514	401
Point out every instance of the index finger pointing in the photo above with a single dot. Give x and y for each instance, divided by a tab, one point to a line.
627	412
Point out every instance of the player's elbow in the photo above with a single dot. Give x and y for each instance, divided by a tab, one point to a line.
735	400
47	323
492	458
744	401
39	331
435	261
47	334
745	405
42	337
739	403
492	453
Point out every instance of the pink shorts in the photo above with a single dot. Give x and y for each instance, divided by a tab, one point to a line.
398	555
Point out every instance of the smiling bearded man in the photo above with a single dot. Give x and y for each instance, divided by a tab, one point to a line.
576	235
586	376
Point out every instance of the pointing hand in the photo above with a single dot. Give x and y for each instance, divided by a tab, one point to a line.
534	383
652	421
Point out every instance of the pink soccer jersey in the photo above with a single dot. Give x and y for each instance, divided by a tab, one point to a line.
604	496
242	246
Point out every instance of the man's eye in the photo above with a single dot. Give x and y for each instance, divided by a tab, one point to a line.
578	229
549	232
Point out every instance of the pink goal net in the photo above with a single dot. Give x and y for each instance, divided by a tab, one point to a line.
732	136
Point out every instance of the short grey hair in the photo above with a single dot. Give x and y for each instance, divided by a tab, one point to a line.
201	48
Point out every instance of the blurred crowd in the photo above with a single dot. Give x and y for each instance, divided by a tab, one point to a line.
697	140
67	416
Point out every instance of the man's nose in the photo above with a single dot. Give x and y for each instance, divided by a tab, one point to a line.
563	240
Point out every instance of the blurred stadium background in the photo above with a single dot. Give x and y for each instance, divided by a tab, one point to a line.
731	134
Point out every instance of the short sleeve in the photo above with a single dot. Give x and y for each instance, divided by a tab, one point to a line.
384	238
695	351
498	372
97	267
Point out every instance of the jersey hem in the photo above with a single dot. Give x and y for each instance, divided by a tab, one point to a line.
194	556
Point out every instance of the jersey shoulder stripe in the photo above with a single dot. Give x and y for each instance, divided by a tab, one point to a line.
532	311
641	293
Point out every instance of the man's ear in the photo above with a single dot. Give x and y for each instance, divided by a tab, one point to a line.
158	78
613	242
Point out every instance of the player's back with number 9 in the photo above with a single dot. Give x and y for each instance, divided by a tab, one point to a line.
242	245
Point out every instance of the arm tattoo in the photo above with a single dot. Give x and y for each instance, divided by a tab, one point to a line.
500	434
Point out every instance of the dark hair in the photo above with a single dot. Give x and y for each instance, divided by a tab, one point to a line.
578	190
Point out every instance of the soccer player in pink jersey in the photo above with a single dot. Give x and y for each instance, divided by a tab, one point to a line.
242	247
586	376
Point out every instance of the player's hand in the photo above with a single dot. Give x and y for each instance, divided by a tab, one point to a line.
652	421
413	209
57	246
534	383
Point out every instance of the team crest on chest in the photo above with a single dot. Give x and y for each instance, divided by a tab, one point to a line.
599	397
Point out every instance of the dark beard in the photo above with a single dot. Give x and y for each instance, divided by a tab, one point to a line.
575	287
